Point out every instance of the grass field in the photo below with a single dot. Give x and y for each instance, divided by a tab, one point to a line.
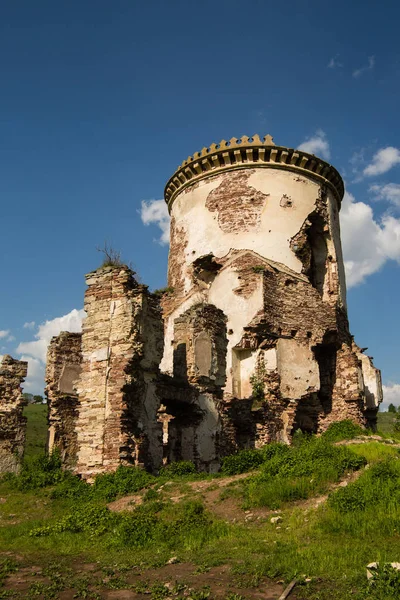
334	509
386	422
36	430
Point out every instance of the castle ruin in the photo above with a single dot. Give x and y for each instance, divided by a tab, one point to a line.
12	421
250	341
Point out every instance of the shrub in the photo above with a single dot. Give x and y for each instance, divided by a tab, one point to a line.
243	461
314	458
348	499
150	496
136	530
150	523
71	487
125	480
343	430
179	468
380	483
38	472
298	472
247	460
384	584
94	520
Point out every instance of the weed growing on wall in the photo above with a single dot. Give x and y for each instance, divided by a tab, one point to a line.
257	380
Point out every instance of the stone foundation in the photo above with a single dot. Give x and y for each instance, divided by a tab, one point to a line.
12	422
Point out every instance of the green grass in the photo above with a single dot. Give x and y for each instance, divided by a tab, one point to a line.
375	451
36	430
386	422
50	517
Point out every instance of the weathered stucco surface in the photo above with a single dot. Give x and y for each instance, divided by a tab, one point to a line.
262	245
12	421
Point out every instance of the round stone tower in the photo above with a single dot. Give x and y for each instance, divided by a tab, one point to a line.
256	309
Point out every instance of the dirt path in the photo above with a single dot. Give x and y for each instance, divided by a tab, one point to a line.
181	580
228	508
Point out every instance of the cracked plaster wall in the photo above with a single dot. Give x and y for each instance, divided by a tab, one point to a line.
249	223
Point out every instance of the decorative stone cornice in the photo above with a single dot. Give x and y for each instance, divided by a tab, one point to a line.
245	152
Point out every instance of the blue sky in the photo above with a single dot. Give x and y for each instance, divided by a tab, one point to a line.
100	102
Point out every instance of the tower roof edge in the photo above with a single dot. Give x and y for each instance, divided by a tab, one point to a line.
250	152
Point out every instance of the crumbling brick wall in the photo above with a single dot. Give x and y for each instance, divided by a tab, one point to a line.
63	367
122	341
306	330
12	421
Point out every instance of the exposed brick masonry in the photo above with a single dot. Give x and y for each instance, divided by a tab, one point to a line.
63	366
121	350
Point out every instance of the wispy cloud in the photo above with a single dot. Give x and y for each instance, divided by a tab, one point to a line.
382	161
334	63
155	212
389	192
371	64
29	325
4	333
317	144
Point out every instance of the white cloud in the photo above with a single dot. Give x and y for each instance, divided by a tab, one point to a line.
317	144
391	395
389	192
35	351
34	383
371	63
367	243
11	338
71	322
156	212
382	161
4	333
29	325
334	63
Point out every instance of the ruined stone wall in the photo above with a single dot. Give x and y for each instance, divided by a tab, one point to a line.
12	422
373	395
62	374
122	340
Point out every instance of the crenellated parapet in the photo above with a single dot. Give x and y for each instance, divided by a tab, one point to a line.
249	152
